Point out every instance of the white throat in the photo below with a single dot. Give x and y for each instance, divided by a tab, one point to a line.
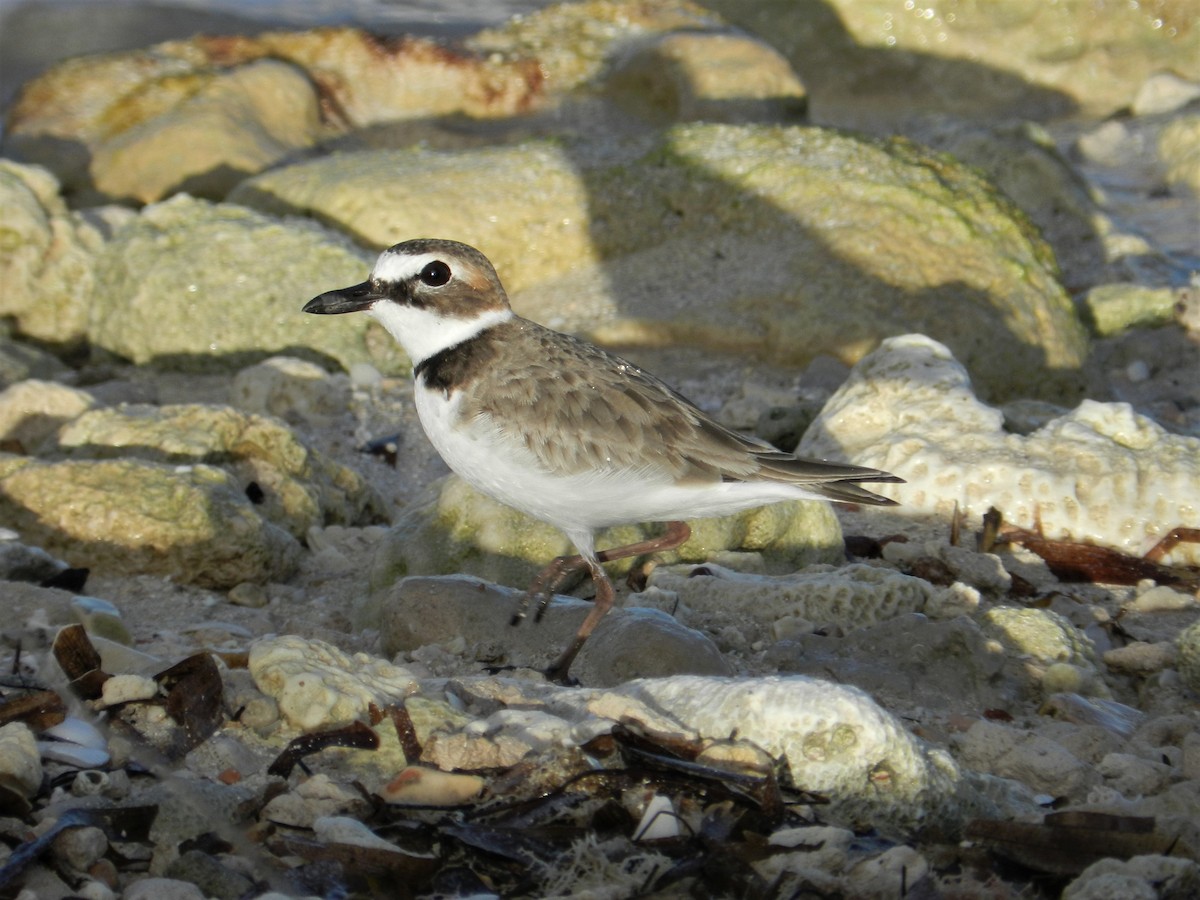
424	332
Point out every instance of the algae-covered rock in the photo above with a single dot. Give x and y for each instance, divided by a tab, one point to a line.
194	284
297	486
193	523
47	256
460	530
788	242
200	114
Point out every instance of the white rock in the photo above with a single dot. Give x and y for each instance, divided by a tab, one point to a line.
658	821
291	389
1149	877
1100	474
31	410
836	740
422	786
1164	92
77	731
345	830
163	889
126	688
316	684
1160	598
20	762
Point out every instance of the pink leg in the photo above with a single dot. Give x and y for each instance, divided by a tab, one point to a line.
553	575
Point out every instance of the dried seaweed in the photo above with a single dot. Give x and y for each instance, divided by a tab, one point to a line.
356	735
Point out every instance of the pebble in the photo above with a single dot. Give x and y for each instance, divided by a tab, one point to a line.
422	786
248	594
163	889
20	760
658	822
1140	658
126	689
79	848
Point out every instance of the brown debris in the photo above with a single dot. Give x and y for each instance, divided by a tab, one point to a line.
1074	561
37	709
1066	843
194	693
357	736
79	661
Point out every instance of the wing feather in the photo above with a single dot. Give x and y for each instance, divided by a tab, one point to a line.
578	408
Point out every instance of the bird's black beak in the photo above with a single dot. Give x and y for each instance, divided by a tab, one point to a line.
351	299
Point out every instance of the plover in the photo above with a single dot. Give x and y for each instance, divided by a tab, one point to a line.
563	430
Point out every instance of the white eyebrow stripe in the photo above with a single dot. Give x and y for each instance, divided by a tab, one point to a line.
393	268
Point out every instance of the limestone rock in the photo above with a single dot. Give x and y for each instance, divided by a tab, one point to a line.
20	765
46	256
317	685
291	389
32	410
1009	57
199	114
233	297
1189	656
126	515
1101	474
586	235
712	76
299	487
19	361
836	741
853	596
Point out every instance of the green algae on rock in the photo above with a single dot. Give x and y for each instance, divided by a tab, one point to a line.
193	523
788	242
197	285
300	488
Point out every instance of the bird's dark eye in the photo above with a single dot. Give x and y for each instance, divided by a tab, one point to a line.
435	274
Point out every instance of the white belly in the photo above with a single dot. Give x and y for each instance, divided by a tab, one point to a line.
505	470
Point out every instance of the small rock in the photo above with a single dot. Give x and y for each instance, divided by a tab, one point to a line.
249	594
1140	658
78	848
89	783
420	786
1164	92
31	411
127	688
210	875
291	389
20	762
1188	649
1160	598
310	800
163	889
1134	776
1140	878
1038	762
317	685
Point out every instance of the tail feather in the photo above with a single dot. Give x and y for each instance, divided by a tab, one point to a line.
836	481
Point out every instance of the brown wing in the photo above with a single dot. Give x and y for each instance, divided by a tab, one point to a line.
585	408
